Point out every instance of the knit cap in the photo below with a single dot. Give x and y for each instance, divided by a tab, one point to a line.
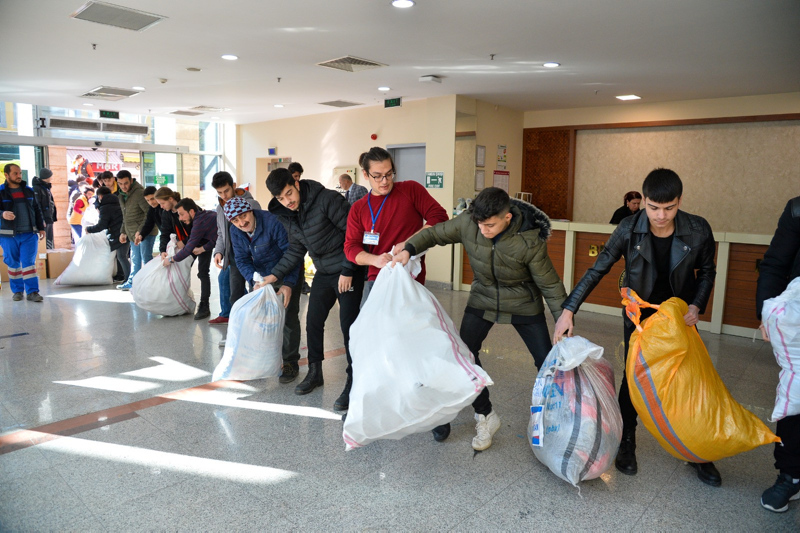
235	207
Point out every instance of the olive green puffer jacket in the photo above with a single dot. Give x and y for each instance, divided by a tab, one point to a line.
511	276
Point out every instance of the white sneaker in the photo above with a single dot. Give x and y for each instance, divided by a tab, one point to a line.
486	427
222	343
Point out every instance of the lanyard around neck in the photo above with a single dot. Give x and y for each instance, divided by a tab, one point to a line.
374	215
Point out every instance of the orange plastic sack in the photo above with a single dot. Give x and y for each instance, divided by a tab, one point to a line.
677	392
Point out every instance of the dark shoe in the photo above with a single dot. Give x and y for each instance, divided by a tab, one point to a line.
777	497
342	403
707	473
626	457
202	312
289	373
17	297
312	381
440	433
35	297
306	288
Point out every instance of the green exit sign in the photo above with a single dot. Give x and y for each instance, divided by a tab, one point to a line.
393	102
109	114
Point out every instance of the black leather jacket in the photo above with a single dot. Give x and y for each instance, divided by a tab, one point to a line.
692	250
781	262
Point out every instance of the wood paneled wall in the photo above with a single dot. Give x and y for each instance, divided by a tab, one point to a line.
547	169
740	292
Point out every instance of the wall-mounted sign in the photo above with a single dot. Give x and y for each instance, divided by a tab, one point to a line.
163	179
109	114
434	180
272	151
102	167
500	179
393	102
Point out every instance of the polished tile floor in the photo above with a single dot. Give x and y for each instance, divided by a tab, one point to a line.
161	449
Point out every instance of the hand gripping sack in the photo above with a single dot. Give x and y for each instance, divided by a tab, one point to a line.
575	426
781	317
411	370
254	346
677	392
92	263
165	290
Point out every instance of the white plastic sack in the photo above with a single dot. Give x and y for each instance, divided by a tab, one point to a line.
254	345
91	216
411	370
576	425
165	290
781	317
92	263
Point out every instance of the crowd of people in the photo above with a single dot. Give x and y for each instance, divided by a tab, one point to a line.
667	253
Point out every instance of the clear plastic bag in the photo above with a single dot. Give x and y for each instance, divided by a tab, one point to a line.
411	370
92	263
781	317
165	290
575	426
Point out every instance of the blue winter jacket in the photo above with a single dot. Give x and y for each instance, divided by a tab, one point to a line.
262	252
8	227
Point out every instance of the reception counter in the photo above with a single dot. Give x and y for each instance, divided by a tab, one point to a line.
573	248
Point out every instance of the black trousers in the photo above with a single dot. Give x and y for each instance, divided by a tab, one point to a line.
474	330
325	293
203	274
787	453
291	328
123	261
237	281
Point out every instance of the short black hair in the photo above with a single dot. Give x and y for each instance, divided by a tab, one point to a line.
221	179
662	185
102	191
7	168
188	205
492	201
295	167
124	174
107	175
149	190
278	179
376	154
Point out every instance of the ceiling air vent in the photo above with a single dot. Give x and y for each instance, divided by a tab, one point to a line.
117	16
60	123
109	93
340	103
209	109
120	127
351	64
185	113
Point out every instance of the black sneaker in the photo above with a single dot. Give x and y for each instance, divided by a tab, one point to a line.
17	297
35	297
289	373
202	312
440	433
777	497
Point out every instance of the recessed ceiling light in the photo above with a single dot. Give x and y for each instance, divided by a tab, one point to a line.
193	69
230	57
138	88
629	97
278	105
384	89
89	105
402	3
552	64
214	118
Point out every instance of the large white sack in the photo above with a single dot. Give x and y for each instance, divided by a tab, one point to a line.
165	290
411	370
781	317
92	263
254	345
91	216
576	425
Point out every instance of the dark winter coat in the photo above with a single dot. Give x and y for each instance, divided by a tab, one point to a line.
8	227
110	219
44	197
781	262
168	223
319	227
512	274
692	270
262	252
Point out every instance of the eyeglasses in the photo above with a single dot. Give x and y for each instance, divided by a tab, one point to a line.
389	176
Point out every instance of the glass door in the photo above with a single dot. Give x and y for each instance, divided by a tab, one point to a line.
163	170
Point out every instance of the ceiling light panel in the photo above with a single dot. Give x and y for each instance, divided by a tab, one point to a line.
117	16
629	97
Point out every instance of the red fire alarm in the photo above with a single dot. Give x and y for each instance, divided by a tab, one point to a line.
374	136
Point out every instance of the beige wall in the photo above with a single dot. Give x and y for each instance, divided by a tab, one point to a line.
327	141
501	125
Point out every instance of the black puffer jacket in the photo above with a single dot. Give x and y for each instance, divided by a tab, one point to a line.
692	250
110	219
319	227
44	196
781	263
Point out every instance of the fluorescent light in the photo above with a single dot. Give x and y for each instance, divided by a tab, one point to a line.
278	105
551	64
402	3
230	57
138	88
384	89
89	105
629	97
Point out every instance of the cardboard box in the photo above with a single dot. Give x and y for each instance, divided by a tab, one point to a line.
57	261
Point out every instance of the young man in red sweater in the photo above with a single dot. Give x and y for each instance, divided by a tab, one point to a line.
380	222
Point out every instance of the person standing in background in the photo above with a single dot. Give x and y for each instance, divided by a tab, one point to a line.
134	212
631	202
296	170
44	197
79	208
352	191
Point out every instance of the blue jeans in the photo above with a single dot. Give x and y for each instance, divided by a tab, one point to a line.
224	280
19	253
147	245
140	254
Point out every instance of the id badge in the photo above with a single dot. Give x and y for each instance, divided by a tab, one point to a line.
371	238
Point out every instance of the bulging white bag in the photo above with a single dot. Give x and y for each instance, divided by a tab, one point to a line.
576	425
411	370
781	317
165	290
254	345
92	263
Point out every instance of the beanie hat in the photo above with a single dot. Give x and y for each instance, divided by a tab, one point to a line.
235	207
46	173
